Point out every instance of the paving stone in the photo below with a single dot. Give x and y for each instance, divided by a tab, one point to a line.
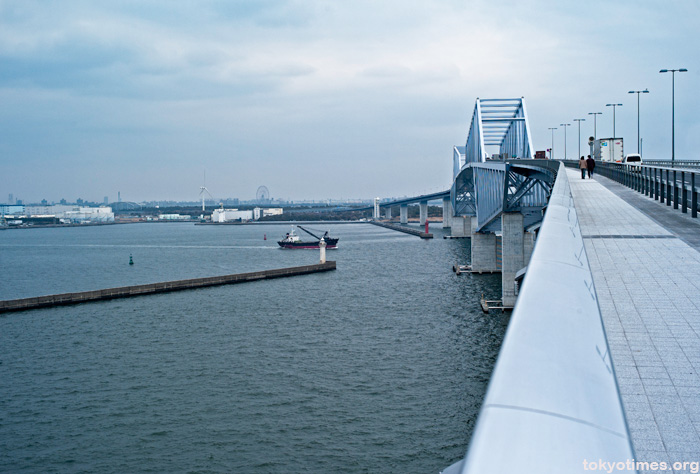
649	294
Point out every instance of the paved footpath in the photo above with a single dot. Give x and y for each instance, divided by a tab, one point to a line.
648	285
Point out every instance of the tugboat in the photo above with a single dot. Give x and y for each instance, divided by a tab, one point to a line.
292	241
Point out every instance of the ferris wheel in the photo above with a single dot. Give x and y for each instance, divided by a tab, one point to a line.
263	194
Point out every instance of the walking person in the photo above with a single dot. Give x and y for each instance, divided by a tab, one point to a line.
590	165
583	166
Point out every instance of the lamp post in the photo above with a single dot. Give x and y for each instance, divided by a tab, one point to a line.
595	115
645	91
564	125
673	111
579	134
551	150
614	106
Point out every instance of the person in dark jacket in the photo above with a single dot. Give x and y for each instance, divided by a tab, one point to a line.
590	165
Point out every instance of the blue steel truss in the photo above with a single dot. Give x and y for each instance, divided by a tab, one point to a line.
496	122
508	182
512	186
462	193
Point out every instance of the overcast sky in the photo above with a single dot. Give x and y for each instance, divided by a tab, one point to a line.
319	99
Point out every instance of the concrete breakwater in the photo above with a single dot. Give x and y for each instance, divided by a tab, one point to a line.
404	229
162	287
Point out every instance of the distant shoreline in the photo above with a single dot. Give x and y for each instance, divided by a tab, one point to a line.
45	226
97	224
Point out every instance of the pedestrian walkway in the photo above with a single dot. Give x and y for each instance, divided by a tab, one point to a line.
648	284
680	224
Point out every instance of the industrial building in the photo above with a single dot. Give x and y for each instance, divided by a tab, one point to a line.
259	212
229	215
63	213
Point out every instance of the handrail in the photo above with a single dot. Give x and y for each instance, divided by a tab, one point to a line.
553	401
674	164
674	186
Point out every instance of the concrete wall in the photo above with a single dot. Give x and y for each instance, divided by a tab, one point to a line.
484	257
126	291
513	250
528	247
423	212
403	210
446	213
460	226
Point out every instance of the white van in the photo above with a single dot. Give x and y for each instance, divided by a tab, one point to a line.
633	161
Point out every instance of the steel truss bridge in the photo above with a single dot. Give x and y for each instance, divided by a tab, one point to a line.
486	185
553	390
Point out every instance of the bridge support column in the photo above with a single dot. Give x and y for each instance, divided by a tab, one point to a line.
528	247
403	212
387	213
483	250
460	226
446	213
423	212
513	254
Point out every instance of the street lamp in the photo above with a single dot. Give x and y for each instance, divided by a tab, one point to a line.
595	115
614	106
579	134
645	91
564	125
551	150
673	111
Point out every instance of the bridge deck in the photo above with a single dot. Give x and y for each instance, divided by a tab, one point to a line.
648	284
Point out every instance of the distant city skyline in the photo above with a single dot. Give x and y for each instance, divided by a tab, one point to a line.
228	201
319	99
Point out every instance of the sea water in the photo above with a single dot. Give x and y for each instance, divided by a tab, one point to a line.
378	366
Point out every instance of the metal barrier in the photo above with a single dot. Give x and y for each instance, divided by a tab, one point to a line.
676	187
676	164
553	401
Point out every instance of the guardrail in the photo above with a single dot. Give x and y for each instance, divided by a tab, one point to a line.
675	164
676	187
553	401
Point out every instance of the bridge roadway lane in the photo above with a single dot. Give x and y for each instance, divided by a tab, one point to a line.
648	285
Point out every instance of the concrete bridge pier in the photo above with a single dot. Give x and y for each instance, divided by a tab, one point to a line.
528	246
484	257
513	254
387	212
403	212
460	226
423	212
446	212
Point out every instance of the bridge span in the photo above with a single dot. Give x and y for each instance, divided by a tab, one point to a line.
403	203
601	358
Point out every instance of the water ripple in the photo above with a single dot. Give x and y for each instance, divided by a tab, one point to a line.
380	366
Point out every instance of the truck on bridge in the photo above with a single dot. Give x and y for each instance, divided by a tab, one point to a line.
608	149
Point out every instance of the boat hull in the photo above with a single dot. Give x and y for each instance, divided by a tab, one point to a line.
330	244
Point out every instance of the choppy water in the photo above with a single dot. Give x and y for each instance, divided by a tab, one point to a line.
379	366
